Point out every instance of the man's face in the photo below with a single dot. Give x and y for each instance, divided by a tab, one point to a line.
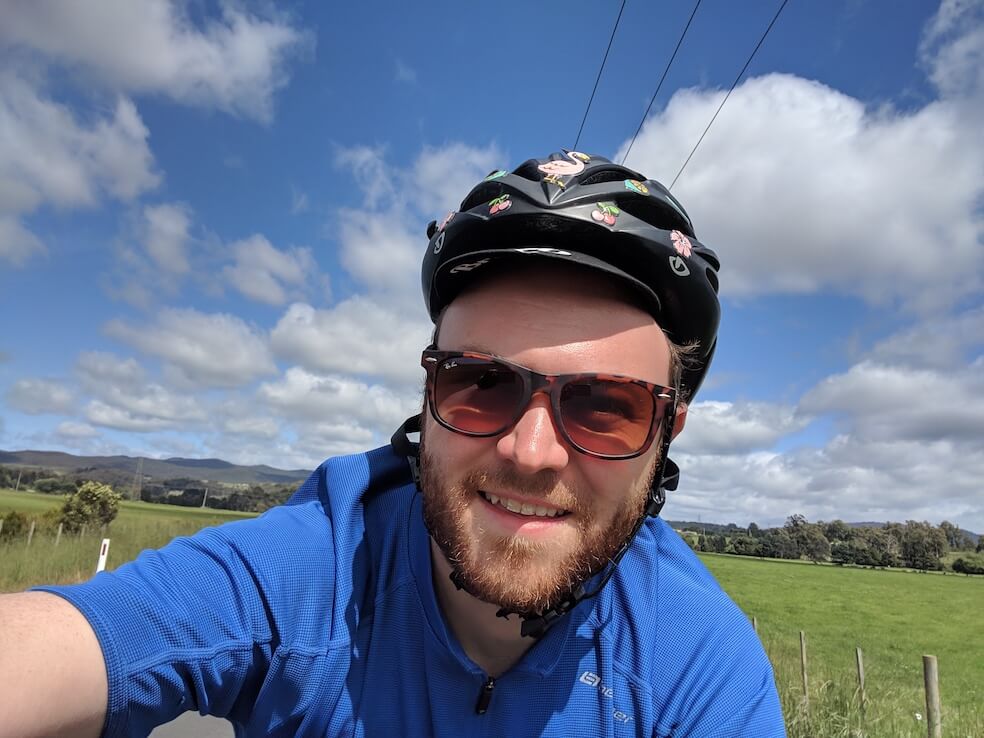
553	322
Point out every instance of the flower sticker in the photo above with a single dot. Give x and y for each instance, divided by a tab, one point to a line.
681	243
499	204
555	180
447	219
495	175
636	186
606	213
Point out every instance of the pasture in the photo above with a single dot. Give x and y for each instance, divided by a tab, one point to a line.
138	526
894	616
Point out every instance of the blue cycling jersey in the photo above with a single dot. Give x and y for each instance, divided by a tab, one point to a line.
319	618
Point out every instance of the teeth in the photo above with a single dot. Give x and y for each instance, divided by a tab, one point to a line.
523	509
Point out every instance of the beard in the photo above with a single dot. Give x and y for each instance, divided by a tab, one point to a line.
518	573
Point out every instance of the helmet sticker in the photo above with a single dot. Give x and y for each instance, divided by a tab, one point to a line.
468	267
606	213
636	186
679	266
681	243
447	219
555	180
495	175
439	242
499	204
574	164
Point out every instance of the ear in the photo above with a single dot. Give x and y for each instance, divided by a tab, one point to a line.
680	419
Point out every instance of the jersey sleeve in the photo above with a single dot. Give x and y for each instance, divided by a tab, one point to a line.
192	627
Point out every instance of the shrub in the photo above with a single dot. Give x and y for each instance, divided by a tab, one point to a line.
92	504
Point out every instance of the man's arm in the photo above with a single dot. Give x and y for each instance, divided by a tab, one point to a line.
52	672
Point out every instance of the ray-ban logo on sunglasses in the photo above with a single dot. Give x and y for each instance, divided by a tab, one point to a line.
450	364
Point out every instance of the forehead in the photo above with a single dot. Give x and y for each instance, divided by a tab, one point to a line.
558	320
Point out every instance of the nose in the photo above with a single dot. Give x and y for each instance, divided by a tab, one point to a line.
534	443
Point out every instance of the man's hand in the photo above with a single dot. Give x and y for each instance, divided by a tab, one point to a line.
52	672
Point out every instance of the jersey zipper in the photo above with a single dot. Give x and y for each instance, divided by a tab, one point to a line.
485	696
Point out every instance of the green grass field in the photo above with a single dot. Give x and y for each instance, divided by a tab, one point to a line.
138	526
894	616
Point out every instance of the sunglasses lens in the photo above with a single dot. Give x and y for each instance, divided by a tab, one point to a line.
607	418
476	395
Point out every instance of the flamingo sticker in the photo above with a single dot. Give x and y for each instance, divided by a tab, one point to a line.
574	164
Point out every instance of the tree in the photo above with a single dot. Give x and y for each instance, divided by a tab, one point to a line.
744	546
962	566
923	546
776	543
837	530
956	539
980	545
92	504
14	525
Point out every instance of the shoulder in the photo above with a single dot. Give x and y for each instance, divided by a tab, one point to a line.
676	630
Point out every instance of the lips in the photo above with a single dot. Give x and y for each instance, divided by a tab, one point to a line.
524	509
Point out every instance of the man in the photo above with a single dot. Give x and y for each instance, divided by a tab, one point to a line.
508	575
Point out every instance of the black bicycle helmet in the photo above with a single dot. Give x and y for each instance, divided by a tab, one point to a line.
590	211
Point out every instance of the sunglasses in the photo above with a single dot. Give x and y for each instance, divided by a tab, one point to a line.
607	416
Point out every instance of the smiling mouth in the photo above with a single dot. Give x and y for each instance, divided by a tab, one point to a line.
524	509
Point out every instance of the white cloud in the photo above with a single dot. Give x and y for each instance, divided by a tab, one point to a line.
304	396
17	244
264	273
166	236
383	251
357	336
888	403
124	398
215	350
79	164
298	201
234	63
952	48
73	431
38	396
736	427
802	189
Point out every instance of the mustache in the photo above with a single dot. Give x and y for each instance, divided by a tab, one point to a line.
545	485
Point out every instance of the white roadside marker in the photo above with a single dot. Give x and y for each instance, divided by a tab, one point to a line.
103	553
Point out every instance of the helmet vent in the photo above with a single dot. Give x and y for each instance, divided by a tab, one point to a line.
657	214
604	175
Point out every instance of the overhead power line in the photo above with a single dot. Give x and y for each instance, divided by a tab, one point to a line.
658	86
734	84
598	78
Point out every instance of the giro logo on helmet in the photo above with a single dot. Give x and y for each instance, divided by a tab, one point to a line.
679	266
542	250
468	267
439	243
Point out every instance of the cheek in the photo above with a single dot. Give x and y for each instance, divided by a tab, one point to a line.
613	483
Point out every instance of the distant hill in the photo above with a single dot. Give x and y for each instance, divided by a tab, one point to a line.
211	470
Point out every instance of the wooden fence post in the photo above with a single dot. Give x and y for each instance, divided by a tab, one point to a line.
30	533
931	677
860	659
82	532
58	537
755	624
1	525
806	690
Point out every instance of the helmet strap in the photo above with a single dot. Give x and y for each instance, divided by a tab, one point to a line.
535	625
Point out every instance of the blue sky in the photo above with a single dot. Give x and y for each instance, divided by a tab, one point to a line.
212	215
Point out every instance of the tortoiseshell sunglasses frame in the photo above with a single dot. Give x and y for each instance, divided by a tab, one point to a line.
664	398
